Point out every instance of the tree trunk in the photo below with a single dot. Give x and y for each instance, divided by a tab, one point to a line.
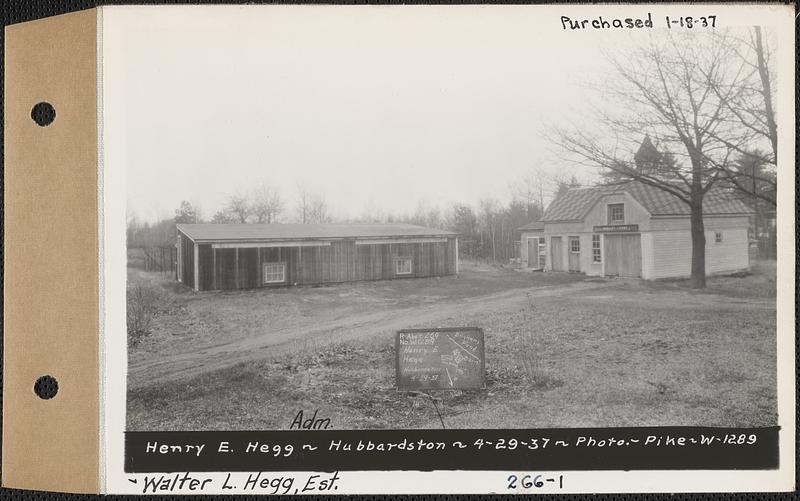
698	280
494	253
766	91
756	216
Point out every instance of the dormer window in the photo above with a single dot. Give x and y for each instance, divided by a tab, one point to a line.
616	213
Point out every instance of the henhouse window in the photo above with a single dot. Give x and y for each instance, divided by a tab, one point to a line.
616	213
596	256
717	237
403	266
574	245
274	273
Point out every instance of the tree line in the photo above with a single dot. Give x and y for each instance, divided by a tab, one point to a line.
263	204
487	230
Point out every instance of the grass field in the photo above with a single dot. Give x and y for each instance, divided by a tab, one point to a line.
562	350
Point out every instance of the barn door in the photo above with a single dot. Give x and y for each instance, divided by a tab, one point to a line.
533	253
542	253
555	254
623	255
574	254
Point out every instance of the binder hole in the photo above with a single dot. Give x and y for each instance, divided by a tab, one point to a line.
46	387
43	113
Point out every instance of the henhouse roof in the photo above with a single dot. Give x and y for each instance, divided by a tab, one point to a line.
576	202
210	231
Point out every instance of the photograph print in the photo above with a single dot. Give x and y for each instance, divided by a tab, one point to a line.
388	221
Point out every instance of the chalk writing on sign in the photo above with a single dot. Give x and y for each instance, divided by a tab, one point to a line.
440	359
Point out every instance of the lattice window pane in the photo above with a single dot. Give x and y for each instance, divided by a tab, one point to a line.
596	255
616	213
403	266
274	273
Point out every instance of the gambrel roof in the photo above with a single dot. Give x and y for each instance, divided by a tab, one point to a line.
533	226
576	203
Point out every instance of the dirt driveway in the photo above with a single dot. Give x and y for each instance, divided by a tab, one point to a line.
562	350
338	314
200	333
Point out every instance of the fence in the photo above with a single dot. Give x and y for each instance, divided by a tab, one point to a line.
163	260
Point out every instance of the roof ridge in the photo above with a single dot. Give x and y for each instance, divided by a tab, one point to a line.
575	203
289	231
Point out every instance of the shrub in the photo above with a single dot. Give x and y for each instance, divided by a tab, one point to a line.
532	349
142	303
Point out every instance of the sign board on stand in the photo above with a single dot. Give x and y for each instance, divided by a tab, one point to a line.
440	359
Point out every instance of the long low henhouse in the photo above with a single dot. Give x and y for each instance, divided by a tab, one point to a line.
245	256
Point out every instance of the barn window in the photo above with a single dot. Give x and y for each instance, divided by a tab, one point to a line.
574	245
717	237
596	256
616	213
274	273
403	266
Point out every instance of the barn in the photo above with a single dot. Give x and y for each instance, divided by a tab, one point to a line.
246	256
635	230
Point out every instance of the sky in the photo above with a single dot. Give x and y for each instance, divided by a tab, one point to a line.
377	108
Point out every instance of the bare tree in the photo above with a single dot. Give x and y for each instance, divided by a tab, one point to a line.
238	207
318	210
667	90
488	215
312	207
223	217
564	183
303	204
426	215
187	213
751	104
529	191
372	214
755	182
538	188
266	204
132	227
462	220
